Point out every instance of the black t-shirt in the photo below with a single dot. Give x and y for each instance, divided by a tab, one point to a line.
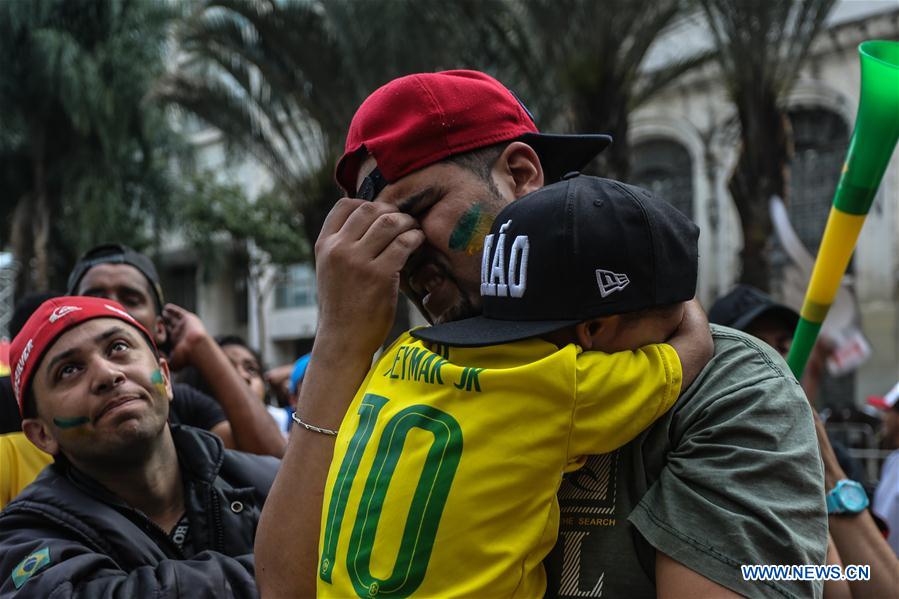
194	408
180	535
10	420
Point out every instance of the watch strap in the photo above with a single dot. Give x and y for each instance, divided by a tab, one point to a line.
833	503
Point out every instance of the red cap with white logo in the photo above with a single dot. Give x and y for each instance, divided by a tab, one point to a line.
886	402
53	318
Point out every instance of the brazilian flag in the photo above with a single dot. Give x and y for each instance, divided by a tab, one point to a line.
30	566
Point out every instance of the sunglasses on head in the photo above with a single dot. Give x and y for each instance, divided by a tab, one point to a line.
371	185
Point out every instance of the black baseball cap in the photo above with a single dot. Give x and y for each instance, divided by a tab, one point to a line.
744	303
114	253
577	249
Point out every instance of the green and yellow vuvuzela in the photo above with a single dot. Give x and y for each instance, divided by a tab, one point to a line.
873	140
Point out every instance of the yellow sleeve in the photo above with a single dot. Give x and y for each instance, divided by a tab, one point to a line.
619	395
7	472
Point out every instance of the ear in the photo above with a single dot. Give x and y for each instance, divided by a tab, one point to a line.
518	170
597	333
39	434
160	333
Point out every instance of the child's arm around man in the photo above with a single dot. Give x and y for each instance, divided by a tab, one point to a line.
658	353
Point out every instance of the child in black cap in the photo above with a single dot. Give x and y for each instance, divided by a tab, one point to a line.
448	461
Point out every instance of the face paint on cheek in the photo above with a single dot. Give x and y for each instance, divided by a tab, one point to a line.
68	423
159	382
470	230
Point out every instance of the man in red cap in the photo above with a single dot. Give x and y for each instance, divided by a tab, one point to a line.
131	506
430	160
119	273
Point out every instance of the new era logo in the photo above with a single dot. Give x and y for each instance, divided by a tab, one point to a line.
610	282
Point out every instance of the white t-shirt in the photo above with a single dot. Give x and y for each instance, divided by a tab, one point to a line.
886	498
281	416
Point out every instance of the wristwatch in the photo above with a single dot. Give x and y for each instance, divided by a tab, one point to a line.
847	497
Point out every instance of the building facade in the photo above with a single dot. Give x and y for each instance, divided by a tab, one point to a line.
686	142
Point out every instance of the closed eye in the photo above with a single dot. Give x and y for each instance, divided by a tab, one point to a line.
418	205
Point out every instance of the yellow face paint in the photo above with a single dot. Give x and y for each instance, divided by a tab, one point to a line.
470	230
159	382
74	427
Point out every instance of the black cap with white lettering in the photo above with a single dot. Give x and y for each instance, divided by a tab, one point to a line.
578	249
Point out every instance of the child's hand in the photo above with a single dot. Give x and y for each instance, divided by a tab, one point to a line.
693	342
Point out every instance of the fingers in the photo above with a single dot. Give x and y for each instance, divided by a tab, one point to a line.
173	314
375	225
397	252
385	231
338	215
362	228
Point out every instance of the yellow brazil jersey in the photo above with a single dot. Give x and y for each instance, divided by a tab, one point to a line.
446	468
20	463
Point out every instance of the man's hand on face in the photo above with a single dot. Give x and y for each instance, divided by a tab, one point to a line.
186	330
358	257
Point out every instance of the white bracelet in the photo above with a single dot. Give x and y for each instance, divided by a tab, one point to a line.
312	427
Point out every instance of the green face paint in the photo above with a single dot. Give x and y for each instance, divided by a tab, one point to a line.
65	423
470	230
159	382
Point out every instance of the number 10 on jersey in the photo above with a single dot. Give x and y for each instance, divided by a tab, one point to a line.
427	504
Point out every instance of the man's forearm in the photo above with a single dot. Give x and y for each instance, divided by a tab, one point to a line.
358	257
857	537
254	430
289	528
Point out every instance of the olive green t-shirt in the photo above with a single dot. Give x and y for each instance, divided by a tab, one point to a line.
731	475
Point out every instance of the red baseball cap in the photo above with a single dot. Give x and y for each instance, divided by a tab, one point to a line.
53	318
417	120
886	402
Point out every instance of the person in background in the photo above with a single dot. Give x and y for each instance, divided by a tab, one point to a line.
296	378
286	380
10	419
20	460
855	537
886	496
132	506
117	272
248	364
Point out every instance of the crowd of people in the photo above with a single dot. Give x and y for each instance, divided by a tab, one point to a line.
570	425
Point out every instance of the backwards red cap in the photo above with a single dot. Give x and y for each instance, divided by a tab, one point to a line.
53	318
417	120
